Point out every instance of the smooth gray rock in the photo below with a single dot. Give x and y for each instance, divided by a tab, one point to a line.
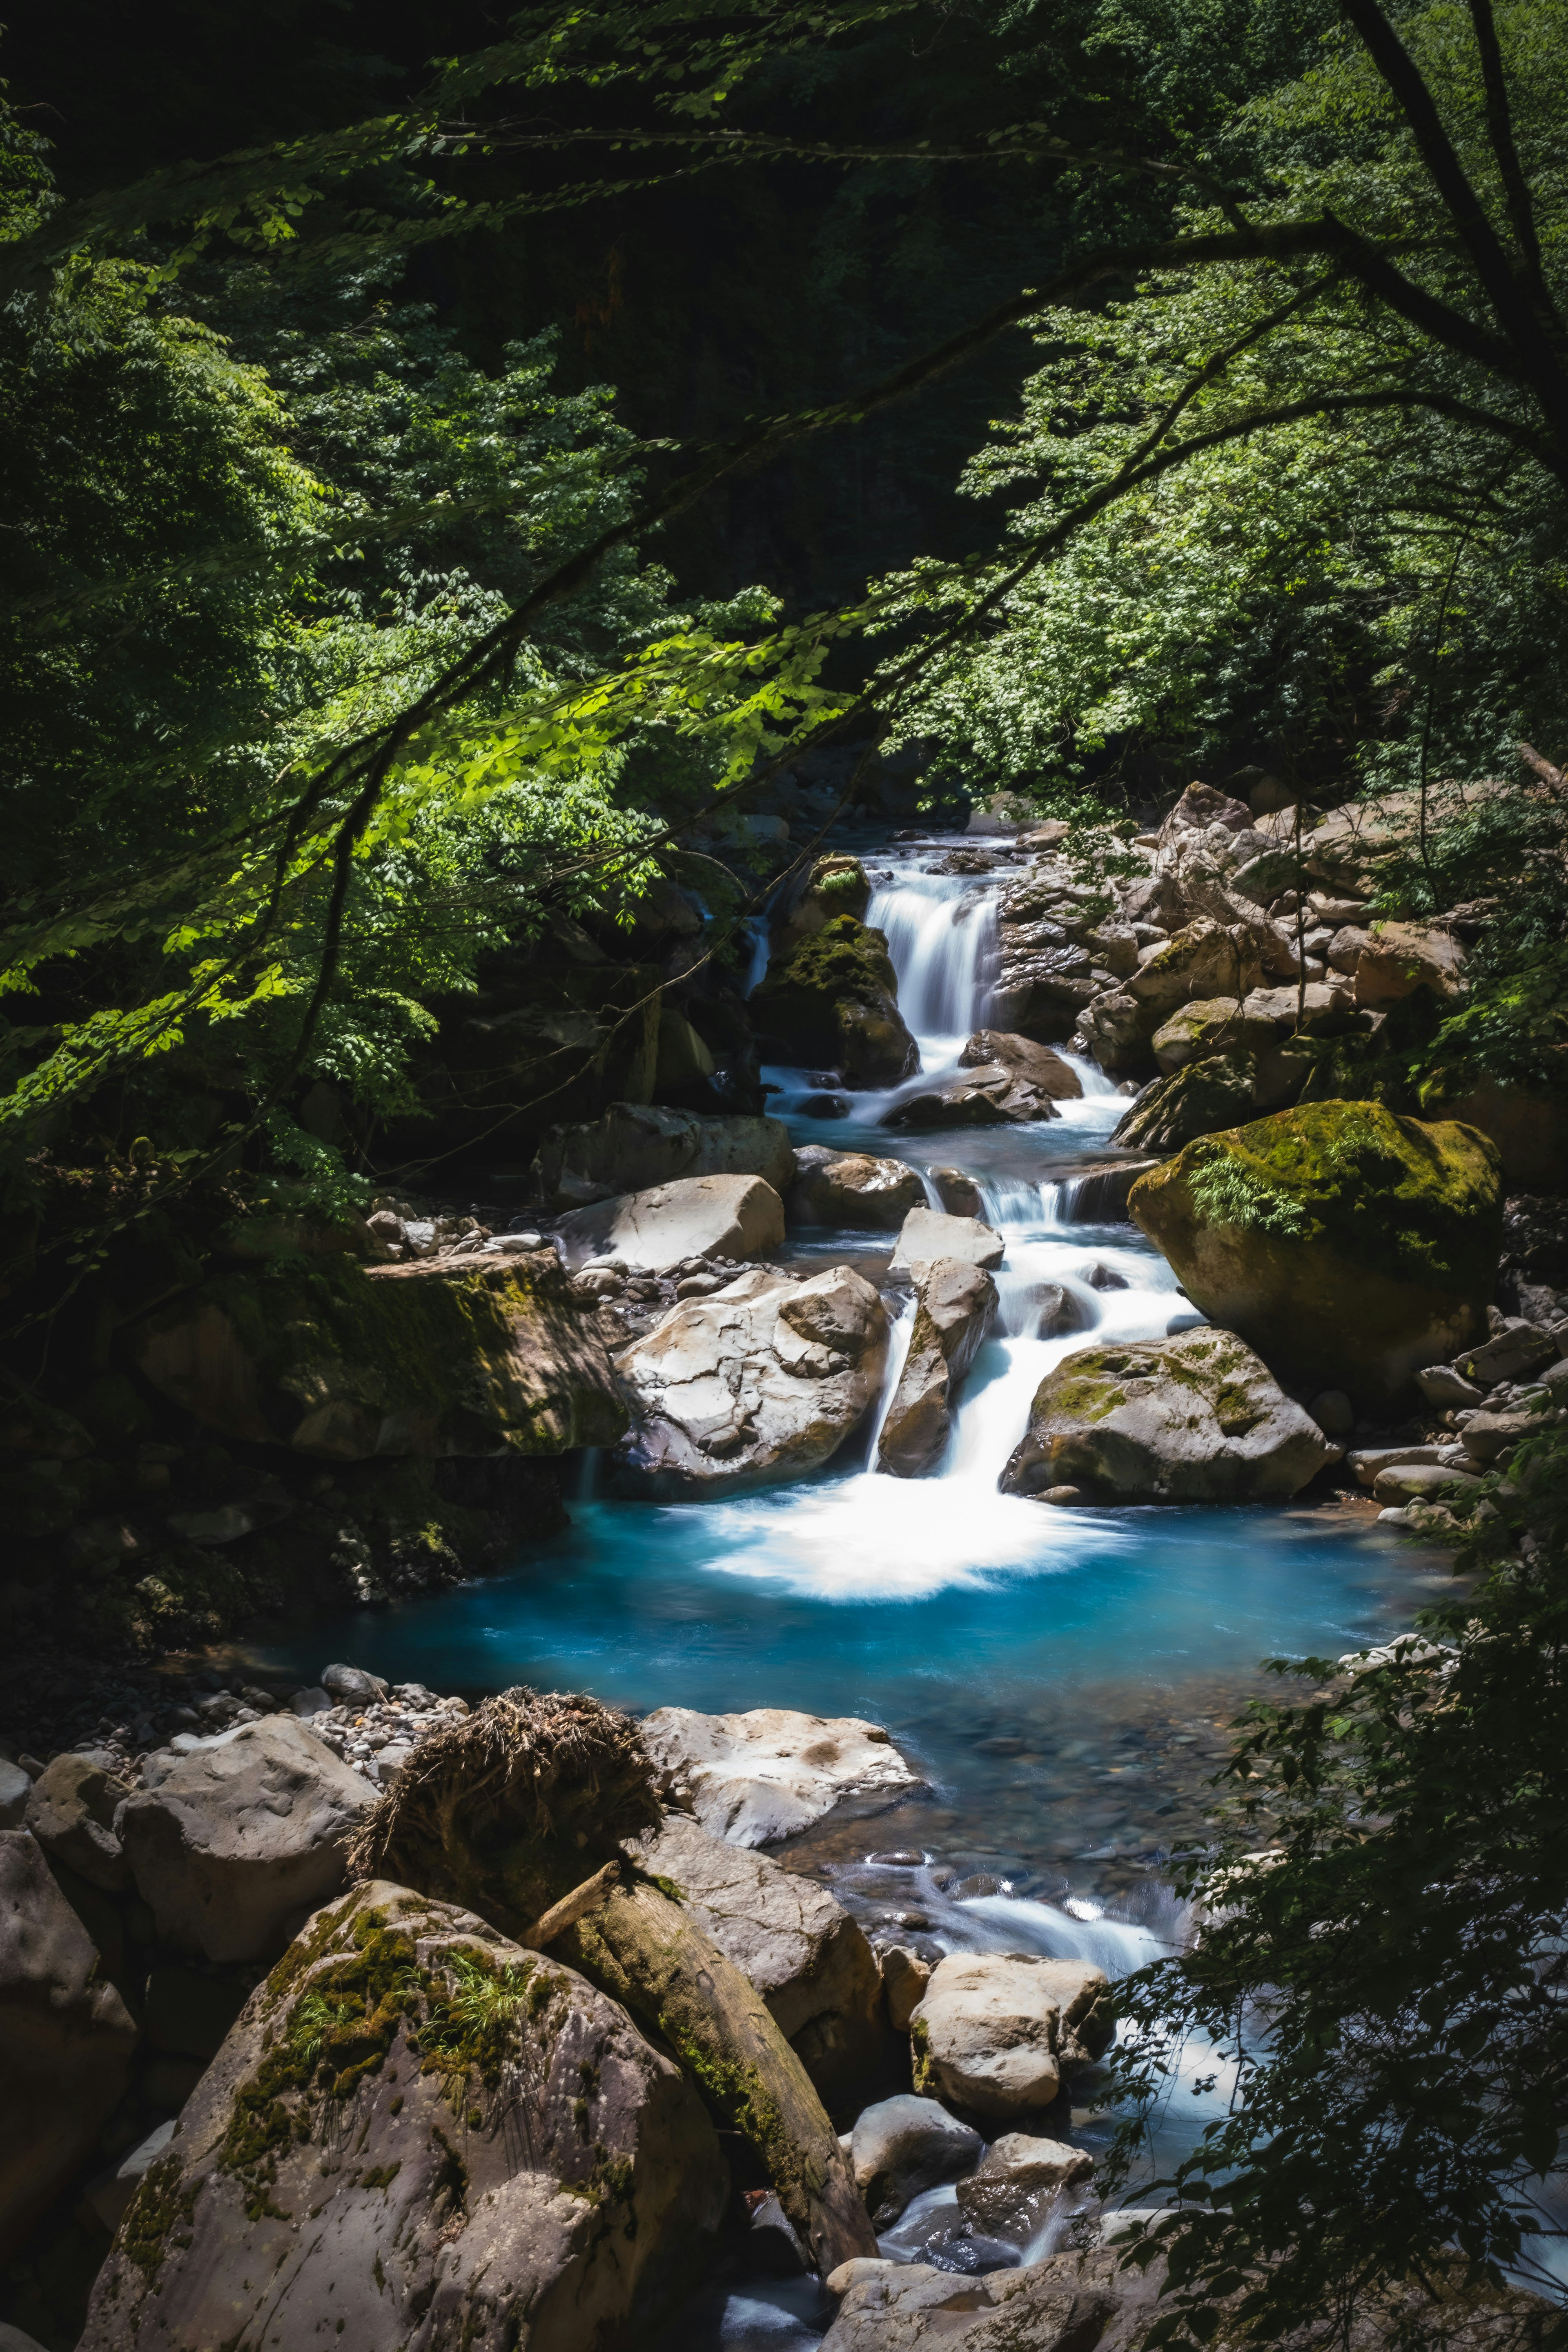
904	2145
698	1216
905	1977
576	2179
65	2039
243	1837
1518	1349
1441	1385
632	1147
71	1810
852	1188
996	2033
15	1788
1072	2303
349	1686
762	1380
807	1958
1193	1417
753	1777
928	1235
956	1308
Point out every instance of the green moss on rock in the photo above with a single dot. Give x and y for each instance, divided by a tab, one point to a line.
1348	1245
833	999
489	1358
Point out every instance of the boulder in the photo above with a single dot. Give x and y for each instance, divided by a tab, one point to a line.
1033	1066
1349	1247
1215	1025
851	1188
905	1977
833	1001
807	1958
1200	806
904	2145
1204	961
349	1686
1059	1310
1070	2302
243	1837
988	1096
1001	1080
66	2039
996	2033
763	1380
1265	877
1486	1435
1324	1008
839	886
1219	1091
71	1811
959	1193
1015	2179
1519	1349
467	1356
754	1777
955	1307
632	1147
1400	958
1423	1482
15	1788
418	2133
1191	1419
700	1216
1118	1030
927	1234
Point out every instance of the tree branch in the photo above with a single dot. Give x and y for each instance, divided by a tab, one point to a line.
1515	312
1499	130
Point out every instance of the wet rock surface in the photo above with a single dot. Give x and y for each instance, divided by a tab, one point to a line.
995	2033
955	1305
768	1774
764	1379
699	1216
65	2039
1193	1417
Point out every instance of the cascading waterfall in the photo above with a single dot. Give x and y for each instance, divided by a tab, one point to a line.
941	937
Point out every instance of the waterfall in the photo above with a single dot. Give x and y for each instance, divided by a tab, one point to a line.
942	936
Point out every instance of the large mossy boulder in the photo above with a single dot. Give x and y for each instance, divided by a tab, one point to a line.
1348	1246
834	1000
436	1358
419	2134
1193	1419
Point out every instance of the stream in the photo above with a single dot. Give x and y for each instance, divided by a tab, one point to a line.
1061	1676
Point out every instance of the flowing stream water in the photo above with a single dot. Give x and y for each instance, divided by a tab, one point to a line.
1061	1676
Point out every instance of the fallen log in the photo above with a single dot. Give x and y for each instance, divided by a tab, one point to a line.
502	1813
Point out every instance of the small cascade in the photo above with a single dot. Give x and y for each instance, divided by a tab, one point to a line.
942	936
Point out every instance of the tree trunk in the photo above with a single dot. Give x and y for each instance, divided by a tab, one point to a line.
639	1947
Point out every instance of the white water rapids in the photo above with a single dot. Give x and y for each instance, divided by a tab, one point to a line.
892	1537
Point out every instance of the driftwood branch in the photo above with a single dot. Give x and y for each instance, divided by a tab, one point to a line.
571	1908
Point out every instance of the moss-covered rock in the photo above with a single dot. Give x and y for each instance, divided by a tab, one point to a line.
1196	1418
419	2133
834	998
1348	1245
423	1358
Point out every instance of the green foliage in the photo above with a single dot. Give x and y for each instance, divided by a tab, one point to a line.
1386	1979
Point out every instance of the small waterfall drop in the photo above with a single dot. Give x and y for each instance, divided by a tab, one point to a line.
942	936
